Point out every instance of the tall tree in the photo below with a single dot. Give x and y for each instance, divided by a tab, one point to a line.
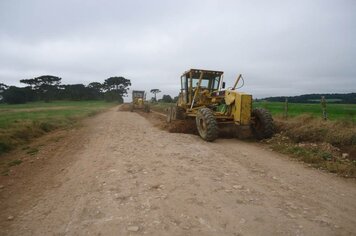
120	84
76	92
116	88
96	86
167	98
45	85
42	81
95	90
3	87
16	95
155	91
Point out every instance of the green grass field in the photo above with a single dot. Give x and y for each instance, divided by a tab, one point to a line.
20	123
334	111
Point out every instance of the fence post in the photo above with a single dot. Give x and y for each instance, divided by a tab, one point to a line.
323	107
286	108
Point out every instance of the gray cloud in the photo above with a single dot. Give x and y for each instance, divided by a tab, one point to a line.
281	47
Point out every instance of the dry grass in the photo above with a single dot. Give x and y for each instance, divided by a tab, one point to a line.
305	128
23	132
329	145
21	123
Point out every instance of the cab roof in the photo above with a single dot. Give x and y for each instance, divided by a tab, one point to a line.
206	72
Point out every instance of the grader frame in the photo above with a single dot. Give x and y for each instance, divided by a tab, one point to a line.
139	101
203	96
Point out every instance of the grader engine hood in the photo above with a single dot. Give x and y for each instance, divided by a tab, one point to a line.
230	97
241	106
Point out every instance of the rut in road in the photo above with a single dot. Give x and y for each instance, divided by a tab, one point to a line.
128	177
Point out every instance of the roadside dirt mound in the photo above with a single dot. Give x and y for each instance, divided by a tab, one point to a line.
176	126
124	107
306	128
327	145
188	126
181	126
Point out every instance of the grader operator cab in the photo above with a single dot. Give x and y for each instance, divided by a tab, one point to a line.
139	101
203	97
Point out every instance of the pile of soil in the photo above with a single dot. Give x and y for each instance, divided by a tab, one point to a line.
188	126
176	126
181	126
340	135
124	107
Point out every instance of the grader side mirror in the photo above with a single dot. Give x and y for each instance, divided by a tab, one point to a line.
223	85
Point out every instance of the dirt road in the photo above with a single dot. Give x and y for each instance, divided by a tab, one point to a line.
120	175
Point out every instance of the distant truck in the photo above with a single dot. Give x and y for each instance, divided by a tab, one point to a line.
139	101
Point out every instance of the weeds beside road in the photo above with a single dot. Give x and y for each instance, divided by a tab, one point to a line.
329	145
21	123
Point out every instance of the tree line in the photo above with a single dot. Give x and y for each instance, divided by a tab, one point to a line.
49	87
165	98
347	98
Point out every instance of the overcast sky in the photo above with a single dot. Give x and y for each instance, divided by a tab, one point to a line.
281	47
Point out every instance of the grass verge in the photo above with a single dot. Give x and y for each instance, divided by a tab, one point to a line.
328	145
161	106
21	123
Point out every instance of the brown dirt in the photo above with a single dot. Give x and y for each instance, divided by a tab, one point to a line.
340	135
120	175
306	128
175	126
124	107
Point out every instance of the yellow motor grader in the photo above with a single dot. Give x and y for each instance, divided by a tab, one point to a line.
203	96
139	101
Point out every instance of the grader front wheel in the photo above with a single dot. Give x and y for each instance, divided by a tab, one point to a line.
206	124
262	125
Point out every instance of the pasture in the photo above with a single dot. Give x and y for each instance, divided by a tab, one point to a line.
334	111
19	123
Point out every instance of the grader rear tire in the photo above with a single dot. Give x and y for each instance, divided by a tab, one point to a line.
207	125
262	126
